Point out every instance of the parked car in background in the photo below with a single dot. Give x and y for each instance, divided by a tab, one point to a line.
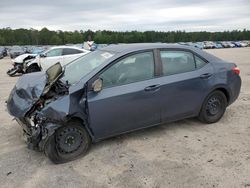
37	50
15	51
199	45
218	45
243	44
119	89
100	46
225	44
237	44
62	54
246	42
3	52
231	44
209	45
182	43
20	64
189	44
28	63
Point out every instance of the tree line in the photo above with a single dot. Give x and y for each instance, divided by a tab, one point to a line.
44	36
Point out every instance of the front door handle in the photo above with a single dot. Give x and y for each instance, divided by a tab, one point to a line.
206	75
152	87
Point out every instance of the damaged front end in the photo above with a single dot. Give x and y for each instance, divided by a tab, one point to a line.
20	64
30	103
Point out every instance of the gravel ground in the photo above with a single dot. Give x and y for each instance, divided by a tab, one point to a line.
186	153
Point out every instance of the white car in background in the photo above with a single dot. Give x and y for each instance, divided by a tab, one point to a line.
62	54
243	44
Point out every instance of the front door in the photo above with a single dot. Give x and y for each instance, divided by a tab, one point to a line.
128	100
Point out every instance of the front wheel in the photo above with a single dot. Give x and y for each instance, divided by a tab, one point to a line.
67	143
213	108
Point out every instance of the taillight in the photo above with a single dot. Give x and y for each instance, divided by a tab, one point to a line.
236	70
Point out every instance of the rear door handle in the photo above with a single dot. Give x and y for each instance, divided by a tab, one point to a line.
206	75
152	88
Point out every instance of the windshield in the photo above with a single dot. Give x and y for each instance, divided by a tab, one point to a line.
84	65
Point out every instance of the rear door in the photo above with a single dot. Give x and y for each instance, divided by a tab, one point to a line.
186	79
128	99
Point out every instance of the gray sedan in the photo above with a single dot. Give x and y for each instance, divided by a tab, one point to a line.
118	89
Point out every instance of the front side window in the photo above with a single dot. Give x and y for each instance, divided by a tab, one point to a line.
174	62
54	52
131	69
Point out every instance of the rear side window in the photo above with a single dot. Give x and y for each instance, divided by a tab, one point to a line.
199	62
70	51
174	62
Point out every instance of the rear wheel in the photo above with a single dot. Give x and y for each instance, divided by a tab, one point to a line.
213	107
67	143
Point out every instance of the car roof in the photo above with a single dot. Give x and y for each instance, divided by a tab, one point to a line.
138	46
128	48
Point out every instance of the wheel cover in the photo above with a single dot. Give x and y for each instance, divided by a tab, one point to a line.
69	140
213	106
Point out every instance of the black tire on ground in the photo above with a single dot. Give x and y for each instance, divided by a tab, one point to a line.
67	143
32	68
213	107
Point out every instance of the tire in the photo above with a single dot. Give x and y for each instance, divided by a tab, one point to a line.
32	68
213	107
67	143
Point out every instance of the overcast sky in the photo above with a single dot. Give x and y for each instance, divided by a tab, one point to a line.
126	15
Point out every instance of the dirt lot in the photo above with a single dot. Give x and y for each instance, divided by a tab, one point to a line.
182	154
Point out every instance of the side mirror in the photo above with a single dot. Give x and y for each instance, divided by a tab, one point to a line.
97	85
43	55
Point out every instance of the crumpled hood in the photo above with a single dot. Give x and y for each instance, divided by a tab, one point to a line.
20	58
26	93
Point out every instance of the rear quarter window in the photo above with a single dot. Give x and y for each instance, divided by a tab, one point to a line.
70	51
199	62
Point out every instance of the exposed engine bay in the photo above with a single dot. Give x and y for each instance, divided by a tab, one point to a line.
28	112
